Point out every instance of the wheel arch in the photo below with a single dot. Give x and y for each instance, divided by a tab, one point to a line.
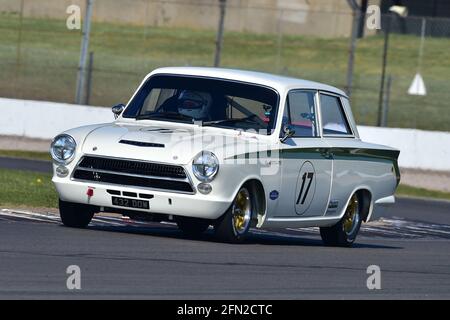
256	188
365	199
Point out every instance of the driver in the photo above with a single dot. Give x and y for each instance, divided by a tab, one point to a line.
195	104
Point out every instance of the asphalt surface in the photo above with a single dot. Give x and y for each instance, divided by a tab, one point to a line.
26	164
126	259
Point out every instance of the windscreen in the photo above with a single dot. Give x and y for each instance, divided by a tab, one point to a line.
213	102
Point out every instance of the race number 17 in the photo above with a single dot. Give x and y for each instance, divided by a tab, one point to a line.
306	176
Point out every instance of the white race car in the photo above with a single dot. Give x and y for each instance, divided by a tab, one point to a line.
230	149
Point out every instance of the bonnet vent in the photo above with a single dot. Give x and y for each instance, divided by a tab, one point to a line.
142	144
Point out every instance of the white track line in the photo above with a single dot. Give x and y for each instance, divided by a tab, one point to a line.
385	227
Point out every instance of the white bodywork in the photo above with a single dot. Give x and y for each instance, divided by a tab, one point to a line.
347	164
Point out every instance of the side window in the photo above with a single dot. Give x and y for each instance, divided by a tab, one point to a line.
333	117
300	114
241	108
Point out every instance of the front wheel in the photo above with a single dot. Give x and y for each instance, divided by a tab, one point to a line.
75	215
233	226
343	234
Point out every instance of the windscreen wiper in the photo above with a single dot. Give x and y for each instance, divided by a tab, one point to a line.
247	120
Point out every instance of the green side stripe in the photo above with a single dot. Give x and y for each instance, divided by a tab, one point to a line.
317	153
345	153
338	154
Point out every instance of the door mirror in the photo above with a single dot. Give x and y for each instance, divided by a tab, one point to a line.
288	132
118	109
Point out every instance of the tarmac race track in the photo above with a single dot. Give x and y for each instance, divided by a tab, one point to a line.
119	258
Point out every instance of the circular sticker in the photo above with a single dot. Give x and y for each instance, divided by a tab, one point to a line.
306	188
273	195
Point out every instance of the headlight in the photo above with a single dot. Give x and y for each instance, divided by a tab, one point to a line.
205	166
63	149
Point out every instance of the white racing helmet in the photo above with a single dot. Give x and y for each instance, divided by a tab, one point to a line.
194	104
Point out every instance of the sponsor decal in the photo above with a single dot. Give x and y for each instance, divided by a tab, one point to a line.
274	194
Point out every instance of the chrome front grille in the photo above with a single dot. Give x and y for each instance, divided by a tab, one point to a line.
133	173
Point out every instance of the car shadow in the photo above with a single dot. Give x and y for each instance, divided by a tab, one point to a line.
254	238
307	240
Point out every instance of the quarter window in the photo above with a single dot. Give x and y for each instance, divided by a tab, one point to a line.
299	113
333	117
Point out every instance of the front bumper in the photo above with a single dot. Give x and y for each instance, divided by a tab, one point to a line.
169	203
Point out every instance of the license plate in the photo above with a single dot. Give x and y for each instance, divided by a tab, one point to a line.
130	203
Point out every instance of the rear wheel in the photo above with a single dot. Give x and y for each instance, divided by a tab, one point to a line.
192	227
75	215
233	226
343	234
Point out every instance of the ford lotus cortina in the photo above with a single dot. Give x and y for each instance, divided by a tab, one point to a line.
229	149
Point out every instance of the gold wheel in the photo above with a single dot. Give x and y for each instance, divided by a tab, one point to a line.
241	211
351	216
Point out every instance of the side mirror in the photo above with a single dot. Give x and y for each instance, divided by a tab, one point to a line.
288	133
118	109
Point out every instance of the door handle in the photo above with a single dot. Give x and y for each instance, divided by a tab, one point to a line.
327	154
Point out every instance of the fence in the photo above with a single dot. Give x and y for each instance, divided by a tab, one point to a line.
404	60
39	56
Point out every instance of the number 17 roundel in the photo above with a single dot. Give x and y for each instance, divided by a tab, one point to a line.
306	187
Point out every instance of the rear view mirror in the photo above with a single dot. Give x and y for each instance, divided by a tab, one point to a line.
288	132
118	109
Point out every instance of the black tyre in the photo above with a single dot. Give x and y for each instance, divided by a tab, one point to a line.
192	227
75	215
343	234
233	226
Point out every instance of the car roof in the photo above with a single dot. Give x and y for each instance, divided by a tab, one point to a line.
280	83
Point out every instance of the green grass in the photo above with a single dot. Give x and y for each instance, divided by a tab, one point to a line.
26	154
49	56
26	188
404	190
